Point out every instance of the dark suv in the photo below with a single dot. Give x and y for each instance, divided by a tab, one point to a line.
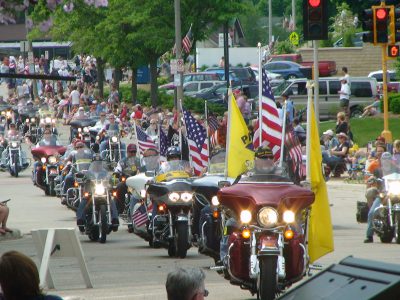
244	75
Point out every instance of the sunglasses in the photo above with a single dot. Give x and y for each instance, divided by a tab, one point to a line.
79	147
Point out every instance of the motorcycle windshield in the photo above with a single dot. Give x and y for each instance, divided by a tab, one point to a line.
217	163
264	170
152	163
98	171
391	173
174	169
49	140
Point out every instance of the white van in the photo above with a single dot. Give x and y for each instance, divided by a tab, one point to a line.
363	92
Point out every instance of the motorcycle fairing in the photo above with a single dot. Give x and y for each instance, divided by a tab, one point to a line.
46	151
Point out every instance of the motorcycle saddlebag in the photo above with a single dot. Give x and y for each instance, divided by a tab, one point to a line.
362	212
239	256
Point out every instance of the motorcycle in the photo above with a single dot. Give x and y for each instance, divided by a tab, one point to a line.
48	165
208	220
97	192
136	188
265	250
113	153
386	217
80	130
14	163
171	193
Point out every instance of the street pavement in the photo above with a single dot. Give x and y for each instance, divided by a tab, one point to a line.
127	268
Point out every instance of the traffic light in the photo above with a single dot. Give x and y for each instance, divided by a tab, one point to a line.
315	19
393	50
381	18
394	24
368	25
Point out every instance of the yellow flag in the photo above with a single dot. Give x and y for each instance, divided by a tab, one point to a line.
239	144
320	237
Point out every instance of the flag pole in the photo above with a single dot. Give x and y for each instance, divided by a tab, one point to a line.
180	127
159	138
136	137
207	129
283	134
308	136
259	93
230	98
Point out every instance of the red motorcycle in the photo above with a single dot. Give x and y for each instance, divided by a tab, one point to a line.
266	243
47	165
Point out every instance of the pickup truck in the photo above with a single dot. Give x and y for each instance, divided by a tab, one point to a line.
325	67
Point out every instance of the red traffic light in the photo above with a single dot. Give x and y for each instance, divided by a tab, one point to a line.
393	51
381	13
314	3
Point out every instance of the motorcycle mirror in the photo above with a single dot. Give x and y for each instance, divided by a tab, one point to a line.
223	183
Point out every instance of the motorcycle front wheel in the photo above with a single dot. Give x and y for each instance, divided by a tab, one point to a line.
103	226
181	239
268	278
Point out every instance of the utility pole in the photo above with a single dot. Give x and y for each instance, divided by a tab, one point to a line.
226	55
269	22
294	14
178	51
30	49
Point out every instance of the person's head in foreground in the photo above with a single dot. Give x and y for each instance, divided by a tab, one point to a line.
186	284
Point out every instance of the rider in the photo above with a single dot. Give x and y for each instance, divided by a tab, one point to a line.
111	128
79	155
132	163
12	134
81	211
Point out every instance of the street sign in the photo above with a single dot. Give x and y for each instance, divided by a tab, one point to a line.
180	66
221	40
177	79
174	66
294	38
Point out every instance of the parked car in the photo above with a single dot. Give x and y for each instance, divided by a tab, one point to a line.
363	91
325	67
200	76
244	75
393	84
357	40
288	69
192	87
274	78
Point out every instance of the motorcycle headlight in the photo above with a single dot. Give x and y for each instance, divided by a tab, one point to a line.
186	197
85	129
288	216
43	160
52	160
33	120
114	139
8	114
394	188
14	144
245	216
48	120
41	120
99	189
79	129
267	217
215	201
173	197
27	120
143	193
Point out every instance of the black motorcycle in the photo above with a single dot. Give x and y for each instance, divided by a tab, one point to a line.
171	193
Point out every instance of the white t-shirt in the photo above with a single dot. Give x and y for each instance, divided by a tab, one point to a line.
75	97
345	91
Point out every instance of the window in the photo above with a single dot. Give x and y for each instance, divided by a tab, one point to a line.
322	88
191	87
298	88
334	87
187	78
205	85
361	89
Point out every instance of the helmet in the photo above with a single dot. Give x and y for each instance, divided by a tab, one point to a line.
131	148
173	152
264	153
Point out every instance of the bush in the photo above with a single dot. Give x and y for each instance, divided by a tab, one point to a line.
162	80
394	104
284	47
348	38
328	42
203	67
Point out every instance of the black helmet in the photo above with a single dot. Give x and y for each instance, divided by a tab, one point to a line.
264	152
173	152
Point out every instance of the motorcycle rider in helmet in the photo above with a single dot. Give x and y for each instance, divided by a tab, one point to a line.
81	211
129	166
12	134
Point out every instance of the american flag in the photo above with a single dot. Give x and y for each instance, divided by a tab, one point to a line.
144	141
163	143
140	217
271	124
198	144
187	41
293	147
213	126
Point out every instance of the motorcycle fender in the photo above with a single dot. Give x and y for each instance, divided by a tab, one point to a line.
268	251
268	246
182	218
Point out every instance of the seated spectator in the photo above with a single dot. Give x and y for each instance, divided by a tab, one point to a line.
330	140
372	109
396	150
299	131
341	124
338	153
19	278
186	284
4	212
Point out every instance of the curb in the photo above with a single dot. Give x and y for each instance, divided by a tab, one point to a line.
16	234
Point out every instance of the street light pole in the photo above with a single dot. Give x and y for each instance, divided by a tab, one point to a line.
178	50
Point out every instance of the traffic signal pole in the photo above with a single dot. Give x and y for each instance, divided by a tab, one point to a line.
386	133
